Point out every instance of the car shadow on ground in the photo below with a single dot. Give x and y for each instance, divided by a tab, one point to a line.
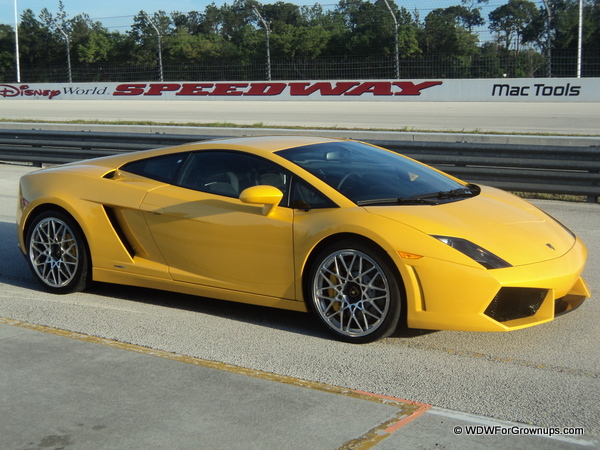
291	321
13	266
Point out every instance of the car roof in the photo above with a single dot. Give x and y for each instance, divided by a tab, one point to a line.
253	144
268	144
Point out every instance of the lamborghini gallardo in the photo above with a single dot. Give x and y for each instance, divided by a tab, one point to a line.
364	238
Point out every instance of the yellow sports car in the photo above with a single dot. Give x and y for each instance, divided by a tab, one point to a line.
362	236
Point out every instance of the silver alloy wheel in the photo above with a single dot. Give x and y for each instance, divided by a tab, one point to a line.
351	293
54	252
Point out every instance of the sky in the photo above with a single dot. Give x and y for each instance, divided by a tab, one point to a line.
119	13
97	9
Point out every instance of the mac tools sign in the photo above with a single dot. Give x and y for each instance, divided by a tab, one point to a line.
480	90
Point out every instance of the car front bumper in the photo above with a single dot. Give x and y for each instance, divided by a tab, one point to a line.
448	296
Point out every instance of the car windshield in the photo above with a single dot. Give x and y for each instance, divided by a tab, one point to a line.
368	175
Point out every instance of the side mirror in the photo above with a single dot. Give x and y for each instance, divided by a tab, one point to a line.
268	196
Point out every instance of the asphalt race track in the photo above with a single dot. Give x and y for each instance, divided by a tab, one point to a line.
546	376
511	118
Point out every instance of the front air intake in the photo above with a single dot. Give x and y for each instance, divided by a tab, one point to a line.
512	303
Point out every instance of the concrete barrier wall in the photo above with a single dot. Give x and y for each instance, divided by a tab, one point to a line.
478	90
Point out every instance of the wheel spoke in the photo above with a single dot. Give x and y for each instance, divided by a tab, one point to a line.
352	293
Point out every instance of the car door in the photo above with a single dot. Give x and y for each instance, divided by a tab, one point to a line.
209	237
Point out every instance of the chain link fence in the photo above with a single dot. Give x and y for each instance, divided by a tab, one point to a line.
525	64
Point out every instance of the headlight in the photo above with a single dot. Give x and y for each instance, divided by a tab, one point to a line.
475	252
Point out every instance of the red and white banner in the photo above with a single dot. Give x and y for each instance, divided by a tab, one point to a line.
479	90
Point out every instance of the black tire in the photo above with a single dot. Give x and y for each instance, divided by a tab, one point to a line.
57	253
354	291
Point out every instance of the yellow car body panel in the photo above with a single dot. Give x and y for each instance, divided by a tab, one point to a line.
222	242
150	233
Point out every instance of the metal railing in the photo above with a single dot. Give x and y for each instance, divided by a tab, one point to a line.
573	170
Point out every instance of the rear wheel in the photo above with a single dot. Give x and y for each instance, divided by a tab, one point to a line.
57	253
354	292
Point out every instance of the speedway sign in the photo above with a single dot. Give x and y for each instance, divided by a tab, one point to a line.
522	89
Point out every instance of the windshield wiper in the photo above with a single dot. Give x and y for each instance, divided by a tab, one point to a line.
470	190
397	201
433	198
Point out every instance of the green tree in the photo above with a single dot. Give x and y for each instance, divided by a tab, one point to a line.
472	16
446	31
448	43
408	34
91	42
282	13
35	40
57	25
368	28
489	62
295	32
565	23
564	34
465	17
7	53
195	48
96	48
512	21
238	26
301	42
144	39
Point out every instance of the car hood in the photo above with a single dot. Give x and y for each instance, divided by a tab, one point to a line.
500	222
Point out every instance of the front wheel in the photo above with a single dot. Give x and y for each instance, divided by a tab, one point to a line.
57	253
354	292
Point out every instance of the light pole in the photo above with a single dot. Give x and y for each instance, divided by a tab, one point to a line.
549	39
268	31
17	43
160	65
68	50
395	38
580	39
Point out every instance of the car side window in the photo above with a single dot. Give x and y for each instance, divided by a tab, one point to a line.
305	195
162	168
229	173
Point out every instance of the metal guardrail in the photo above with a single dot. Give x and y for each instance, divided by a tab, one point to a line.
526	168
59	147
